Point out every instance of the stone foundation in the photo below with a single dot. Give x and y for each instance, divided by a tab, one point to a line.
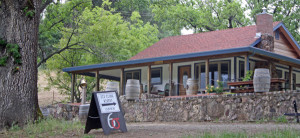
233	107
226	108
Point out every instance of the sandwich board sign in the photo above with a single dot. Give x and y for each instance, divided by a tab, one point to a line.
105	112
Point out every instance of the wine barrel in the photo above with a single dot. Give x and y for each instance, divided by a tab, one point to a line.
192	87
261	80
132	90
112	86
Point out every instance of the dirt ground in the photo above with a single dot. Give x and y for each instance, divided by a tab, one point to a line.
47	97
181	129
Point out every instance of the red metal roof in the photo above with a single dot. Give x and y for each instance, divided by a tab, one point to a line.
200	42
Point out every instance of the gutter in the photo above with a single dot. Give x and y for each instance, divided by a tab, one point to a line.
173	57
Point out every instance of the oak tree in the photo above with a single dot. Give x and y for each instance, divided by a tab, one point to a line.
19	22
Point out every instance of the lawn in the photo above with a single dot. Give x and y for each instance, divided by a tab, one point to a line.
60	128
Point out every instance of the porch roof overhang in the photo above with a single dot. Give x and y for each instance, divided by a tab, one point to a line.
84	70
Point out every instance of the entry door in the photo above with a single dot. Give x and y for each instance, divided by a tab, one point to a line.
184	74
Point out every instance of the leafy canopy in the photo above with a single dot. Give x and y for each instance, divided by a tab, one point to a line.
98	35
199	15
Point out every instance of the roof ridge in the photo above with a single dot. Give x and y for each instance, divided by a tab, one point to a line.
217	30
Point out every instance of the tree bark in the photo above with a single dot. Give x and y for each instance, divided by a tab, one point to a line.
18	89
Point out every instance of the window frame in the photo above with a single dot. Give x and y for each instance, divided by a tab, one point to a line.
132	71
161	75
240	70
277	34
218	62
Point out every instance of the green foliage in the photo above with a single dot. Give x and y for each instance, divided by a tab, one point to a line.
199	16
249	75
28	13
3	60
281	119
11	50
2	42
116	39
127	7
57	16
97	35
14	127
14	51
218	89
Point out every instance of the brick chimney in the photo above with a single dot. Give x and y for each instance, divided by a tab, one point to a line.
264	26
264	23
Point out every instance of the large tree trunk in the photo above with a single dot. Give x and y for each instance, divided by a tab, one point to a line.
18	89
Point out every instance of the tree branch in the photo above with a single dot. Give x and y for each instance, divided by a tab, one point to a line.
52	26
57	52
44	5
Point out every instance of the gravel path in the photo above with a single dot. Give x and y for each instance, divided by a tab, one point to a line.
179	129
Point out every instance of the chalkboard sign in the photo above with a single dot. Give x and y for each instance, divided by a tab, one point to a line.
105	112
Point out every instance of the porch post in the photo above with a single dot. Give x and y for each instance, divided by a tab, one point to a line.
207	72
219	72
246	64
170	77
122	82
97	81
149	79
73	87
291	77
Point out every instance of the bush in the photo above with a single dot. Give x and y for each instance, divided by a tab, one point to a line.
218	89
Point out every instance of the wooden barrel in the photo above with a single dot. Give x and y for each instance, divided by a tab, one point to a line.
132	89
192	87
112	86
83	112
261	80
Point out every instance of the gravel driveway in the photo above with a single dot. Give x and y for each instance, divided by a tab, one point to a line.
179	129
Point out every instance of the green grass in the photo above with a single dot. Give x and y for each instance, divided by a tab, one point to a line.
61	128
286	133
46	128
281	119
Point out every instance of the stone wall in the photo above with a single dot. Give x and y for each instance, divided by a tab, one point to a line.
226	108
62	111
233	107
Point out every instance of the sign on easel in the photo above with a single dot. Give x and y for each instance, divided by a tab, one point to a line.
105	112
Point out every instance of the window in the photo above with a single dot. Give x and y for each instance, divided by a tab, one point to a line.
133	74
213	74
287	77
279	73
225	74
156	75
214	68
241	70
277	34
200	72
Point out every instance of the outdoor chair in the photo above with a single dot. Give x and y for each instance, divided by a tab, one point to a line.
166	90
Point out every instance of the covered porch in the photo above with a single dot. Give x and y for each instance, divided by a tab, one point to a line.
228	65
